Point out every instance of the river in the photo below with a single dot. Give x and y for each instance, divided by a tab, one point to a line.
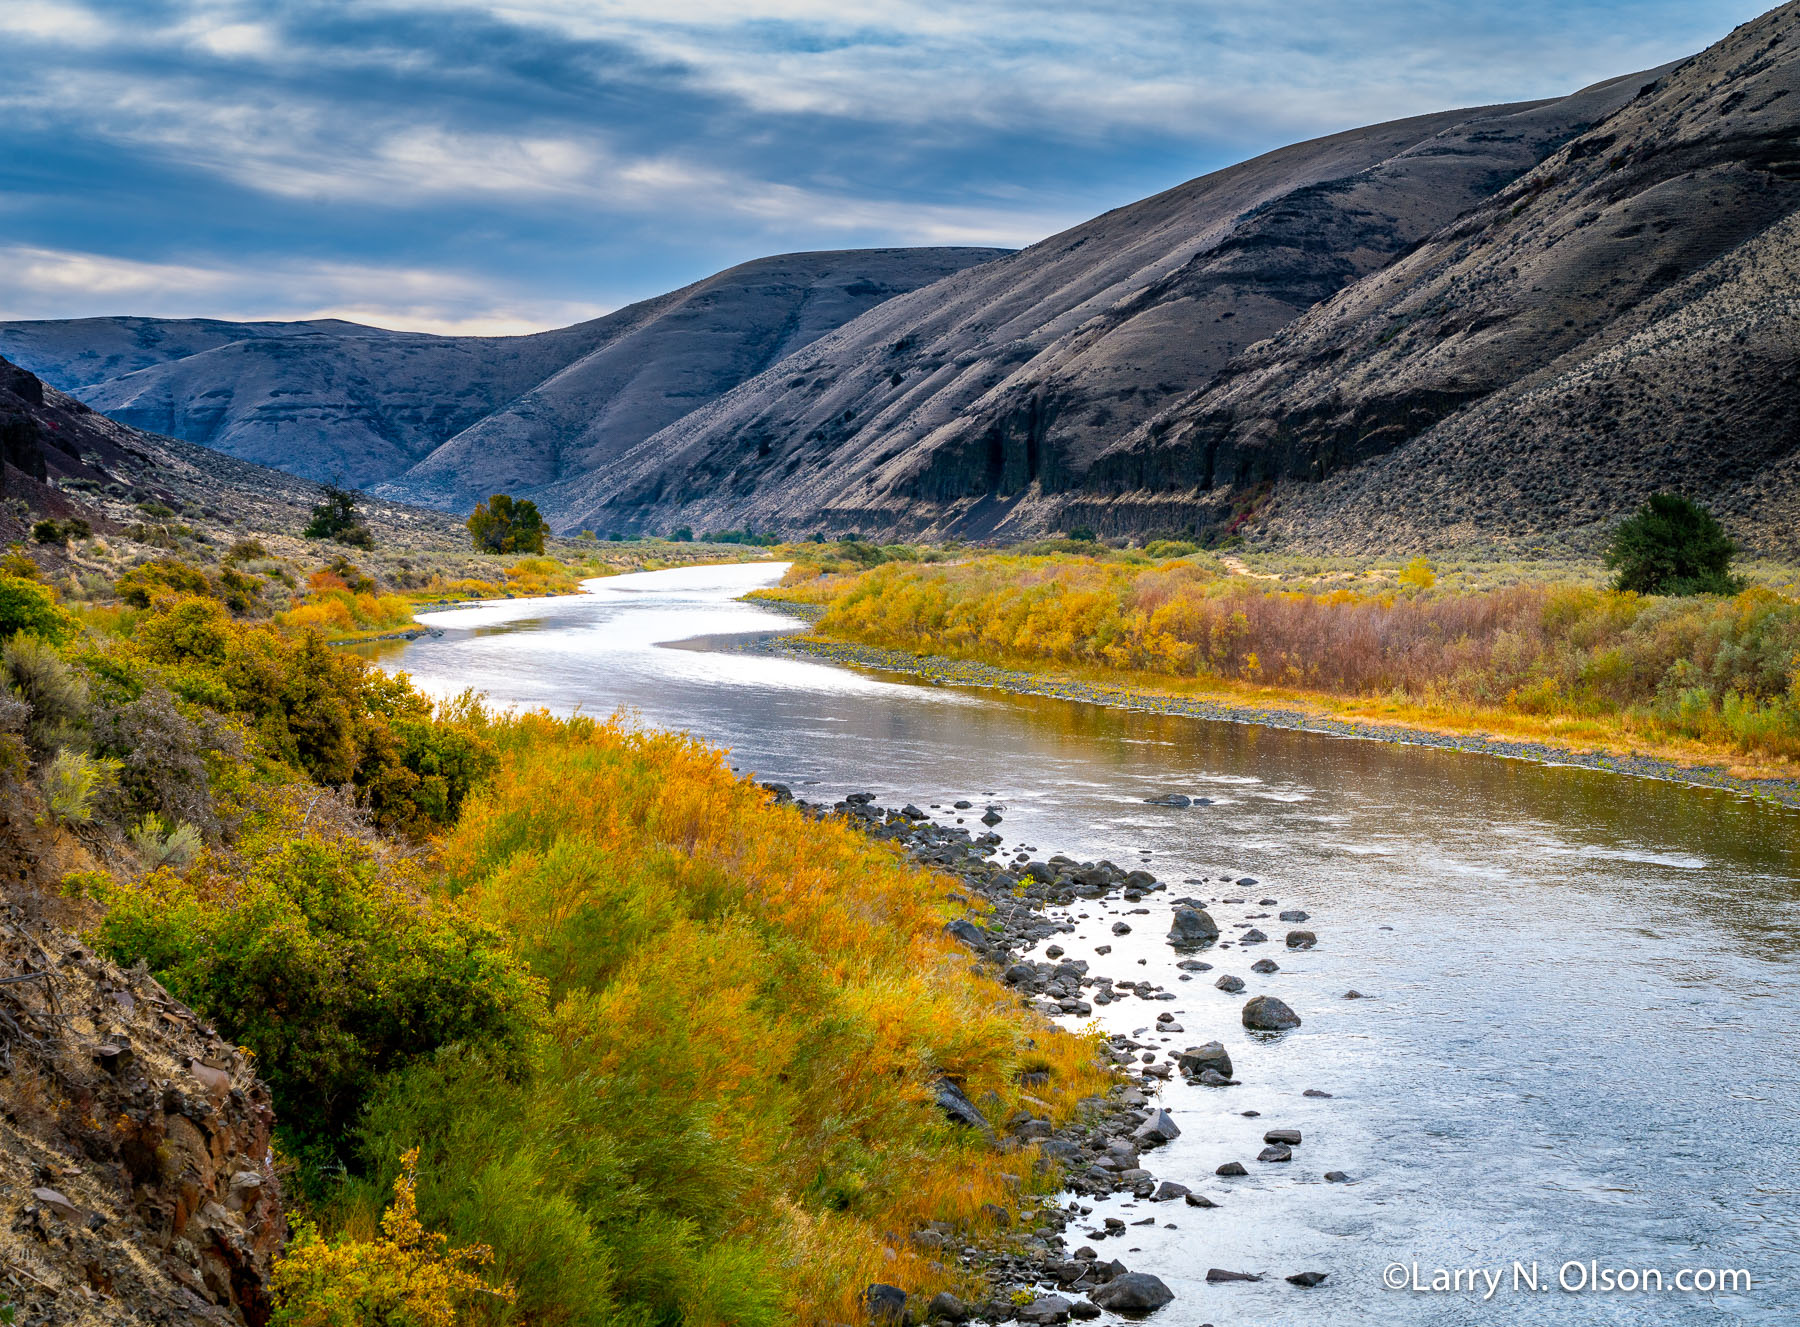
1583	1011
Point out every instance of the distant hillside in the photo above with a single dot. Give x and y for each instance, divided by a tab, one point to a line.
953	405
1507	325
60	458
328	398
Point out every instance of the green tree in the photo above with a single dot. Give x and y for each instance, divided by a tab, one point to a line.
503	525
1672	545
336	517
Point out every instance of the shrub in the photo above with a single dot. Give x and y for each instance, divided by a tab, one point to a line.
407	1277
1418	575
165	576
503	525
160	843
33	671
73	784
27	606
327	969
1672	545
732	1100
162	755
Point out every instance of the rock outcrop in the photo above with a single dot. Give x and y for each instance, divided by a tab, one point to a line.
136	1178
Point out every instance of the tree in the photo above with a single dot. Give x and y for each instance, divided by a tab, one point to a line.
336	517
1672	545
502	525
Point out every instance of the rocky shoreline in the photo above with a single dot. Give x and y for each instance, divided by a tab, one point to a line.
957	672
1035	1277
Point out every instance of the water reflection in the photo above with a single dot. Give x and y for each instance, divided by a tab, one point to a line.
1584	988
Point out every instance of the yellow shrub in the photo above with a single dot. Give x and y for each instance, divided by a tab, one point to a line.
406	1277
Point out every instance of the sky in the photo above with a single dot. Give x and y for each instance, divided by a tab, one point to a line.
459	166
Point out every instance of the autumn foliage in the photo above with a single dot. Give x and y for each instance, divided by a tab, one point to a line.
1724	669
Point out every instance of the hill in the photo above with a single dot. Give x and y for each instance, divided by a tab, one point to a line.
951	406
331	399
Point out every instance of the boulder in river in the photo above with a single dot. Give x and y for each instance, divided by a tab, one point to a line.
1192	927
1307	1279
1169	1190
1301	939
1196	1060
1229	984
1198	1200
1134	1292
1170	799
1046	1308
1231	1168
1264	1013
990	818
1289	1136
1294	915
1157	1129
1218	1275
1265	966
1276	1152
1254	937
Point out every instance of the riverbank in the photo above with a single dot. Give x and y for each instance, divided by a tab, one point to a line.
946	671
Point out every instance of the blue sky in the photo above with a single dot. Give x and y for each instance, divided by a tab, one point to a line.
466	166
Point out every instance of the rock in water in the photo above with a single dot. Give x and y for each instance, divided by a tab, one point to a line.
1276	1152
1265	966
1307	1279
1169	1190
1216	1275
1230	985
1289	1136
1159	1128
1170	799
1231	1168
1192	927
1046	1308
885	1303
1134	1292
1301	939
956	1105
1264	1013
1196	1060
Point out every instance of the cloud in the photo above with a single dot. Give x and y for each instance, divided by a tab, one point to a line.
542	155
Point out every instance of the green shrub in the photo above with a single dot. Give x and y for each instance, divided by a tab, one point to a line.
33	671
328	971
1671	545
73	784
27	606
161	843
147	580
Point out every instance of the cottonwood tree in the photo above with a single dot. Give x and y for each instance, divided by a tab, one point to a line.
502	525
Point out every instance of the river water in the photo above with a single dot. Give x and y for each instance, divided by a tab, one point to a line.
1579	1042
